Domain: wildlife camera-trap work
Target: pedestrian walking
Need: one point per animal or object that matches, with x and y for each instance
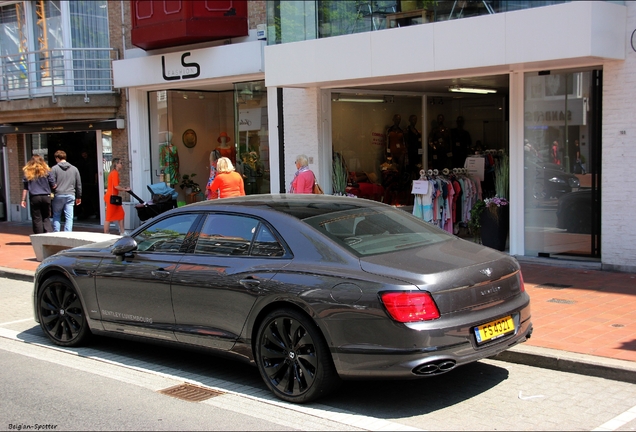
(228, 182)
(68, 192)
(39, 183)
(114, 210)
(304, 178)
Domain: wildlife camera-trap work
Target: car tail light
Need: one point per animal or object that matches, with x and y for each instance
(522, 286)
(410, 306)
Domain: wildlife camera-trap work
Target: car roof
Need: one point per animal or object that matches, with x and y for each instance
(301, 206)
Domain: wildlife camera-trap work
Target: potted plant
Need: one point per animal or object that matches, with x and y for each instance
(490, 217)
(188, 185)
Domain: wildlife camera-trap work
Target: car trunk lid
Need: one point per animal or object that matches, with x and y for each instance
(459, 275)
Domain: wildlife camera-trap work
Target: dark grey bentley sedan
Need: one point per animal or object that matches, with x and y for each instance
(311, 289)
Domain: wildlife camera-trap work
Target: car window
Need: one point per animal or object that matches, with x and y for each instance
(372, 231)
(265, 244)
(167, 235)
(224, 234)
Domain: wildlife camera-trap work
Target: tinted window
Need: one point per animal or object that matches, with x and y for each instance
(371, 231)
(166, 235)
(223, 234)
(265, 244)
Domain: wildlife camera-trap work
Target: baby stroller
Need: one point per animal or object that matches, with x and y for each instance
(163, 199)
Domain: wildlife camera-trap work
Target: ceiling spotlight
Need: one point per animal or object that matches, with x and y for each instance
(460, 89)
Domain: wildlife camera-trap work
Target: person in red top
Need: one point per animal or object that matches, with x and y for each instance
(114, 213)
(304, 178)
(228, 182)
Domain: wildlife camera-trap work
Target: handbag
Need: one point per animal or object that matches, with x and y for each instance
(317, 189)
(115, 200)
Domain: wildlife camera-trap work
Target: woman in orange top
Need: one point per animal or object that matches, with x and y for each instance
(114, 213)
(228, 182)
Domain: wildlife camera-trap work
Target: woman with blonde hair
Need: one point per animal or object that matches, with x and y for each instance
(39, 183)
(227, 182)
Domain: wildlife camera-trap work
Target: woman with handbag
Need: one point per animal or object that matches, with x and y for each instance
(114, 209)
(39, 183)
(304, 179)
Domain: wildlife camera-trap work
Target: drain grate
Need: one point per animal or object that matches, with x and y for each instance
(554, 286)
(561, 301)
(617, 325)
(190, 393)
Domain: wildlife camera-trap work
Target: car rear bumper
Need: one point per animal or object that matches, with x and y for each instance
(434, 354)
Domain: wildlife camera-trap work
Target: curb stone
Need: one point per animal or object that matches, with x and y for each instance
(16, 274)
(564, 361)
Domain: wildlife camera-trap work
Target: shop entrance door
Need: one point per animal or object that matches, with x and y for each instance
(83, 152)
(562, 161)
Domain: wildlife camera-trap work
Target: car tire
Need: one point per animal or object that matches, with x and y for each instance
(293, 357)
(61, 314)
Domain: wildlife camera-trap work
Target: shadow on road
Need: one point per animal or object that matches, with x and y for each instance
(388, 399)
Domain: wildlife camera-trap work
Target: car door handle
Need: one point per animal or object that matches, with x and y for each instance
(250, 283)
(160, 273)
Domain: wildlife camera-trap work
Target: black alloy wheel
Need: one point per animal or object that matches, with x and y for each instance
(61, 313)
(293, 357)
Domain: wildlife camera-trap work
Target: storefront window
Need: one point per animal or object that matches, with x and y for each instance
(362, 126)
(558, 164)
(189, 129)
(252, 141)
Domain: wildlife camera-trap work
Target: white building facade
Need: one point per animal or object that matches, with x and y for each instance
(562, 72)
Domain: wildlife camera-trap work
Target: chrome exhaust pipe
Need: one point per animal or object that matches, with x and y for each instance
(435, 367)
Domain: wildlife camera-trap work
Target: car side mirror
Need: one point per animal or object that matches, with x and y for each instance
(123, 246)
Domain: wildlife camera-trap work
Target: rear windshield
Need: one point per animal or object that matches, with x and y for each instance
(375, 230)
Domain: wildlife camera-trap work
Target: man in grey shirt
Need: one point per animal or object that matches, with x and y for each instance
(68, 192)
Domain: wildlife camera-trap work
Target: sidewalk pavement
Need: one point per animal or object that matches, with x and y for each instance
(584, 318)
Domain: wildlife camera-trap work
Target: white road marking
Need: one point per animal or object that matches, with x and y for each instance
(154, 377)
(17, 321)
(618, 421)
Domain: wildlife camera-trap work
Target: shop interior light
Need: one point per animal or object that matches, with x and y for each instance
(460, 89)
(364, 99)
(246, 94)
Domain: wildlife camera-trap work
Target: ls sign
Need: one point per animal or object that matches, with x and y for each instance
(185, 71)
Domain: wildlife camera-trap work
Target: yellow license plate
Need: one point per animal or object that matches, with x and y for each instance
(494, 329)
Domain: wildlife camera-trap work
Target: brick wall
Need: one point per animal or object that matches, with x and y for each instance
(115, 25)
(618, 237)
(256, 13)
(301, 108)
(120, 137)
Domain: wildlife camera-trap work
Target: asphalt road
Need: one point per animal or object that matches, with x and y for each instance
(113, 384)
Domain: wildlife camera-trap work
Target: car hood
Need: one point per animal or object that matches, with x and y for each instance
(459, 274)
(92, 248)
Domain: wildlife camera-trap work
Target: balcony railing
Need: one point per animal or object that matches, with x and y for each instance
(57, 72)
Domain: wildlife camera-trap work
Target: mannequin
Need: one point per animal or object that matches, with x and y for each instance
(413, 140)
(225, 148)
(169, 158)
(396, 145)
(439, 140)
(461, 142)
(390, 180)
